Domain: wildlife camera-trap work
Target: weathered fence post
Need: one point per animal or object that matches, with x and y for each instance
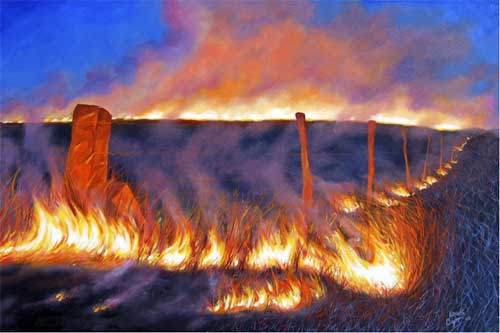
(441, 153)
(424, 172)
(407, 162)
(86, 170)
(307, 188)
(371, 160)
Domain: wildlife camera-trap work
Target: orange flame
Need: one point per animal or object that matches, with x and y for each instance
(62, 231)
(430, 180)
(382, 199)
(380, 262)
(346, 203)
(400, 190)
(213, 254)
(442, 171)
(419, 185)
(279, 294)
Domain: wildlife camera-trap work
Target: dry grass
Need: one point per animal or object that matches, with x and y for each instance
(450, 232)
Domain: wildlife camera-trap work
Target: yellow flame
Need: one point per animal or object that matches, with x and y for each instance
(384, 273)
(347, 204)
(100, 308)
(442, 172)
(13, 121)
(420, 185)
(430, 180)
(279, 294)
(382, 199)
(447, 127)
(400, 190)
(393, 119)
(60, 296)
(213, 254)
(176, 255)
(63, 231)
(58, 119)
(274, 250)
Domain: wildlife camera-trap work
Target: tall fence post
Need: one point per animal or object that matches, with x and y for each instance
(407, 162)
(424, 172)
(441, 153)
(307, 187)
(371, 160)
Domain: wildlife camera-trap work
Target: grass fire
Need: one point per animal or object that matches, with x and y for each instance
(263, 256)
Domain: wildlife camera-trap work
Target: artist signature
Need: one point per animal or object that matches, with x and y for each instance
(456, 319)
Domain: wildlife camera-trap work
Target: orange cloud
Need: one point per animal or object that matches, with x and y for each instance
(266, 61)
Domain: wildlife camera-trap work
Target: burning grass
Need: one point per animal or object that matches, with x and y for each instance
(378, 256)
(274, 291)
(271, 258)
(458, 290)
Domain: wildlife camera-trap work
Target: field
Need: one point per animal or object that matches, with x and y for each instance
(446, 232)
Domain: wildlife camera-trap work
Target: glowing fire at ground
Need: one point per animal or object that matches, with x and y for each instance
(61, 233)
(382, 199)
(213, 254)
(430, 180)
(346, 203)
(442, 172)
(400, 190)
(285, 293)
(100, 308)
(60, 296)
(419, 185)
(383, 260)
(384, 273)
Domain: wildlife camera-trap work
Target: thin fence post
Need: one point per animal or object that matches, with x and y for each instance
(407, 162)
(307, 187)
(441, 153)
(424, 172)
(371, 160)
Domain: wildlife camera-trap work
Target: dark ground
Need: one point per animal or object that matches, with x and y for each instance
(256, 159)
(461, 295)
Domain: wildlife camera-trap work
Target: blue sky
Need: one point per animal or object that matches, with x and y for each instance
(43, 38)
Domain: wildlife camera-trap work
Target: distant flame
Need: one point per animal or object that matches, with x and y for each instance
(58, 119)
(395, 120)
(448, 127)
